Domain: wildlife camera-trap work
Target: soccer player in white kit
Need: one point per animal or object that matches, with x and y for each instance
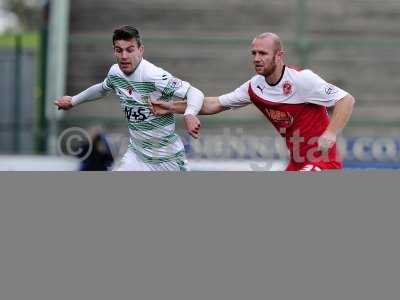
(153, 145)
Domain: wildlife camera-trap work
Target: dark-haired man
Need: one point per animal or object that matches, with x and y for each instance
(154, 145)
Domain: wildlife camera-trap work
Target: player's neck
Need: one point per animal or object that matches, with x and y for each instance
(275, 77)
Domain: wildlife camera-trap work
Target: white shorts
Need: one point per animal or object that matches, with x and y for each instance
(131, 162)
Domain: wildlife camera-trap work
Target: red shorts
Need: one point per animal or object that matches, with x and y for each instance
(314, 166)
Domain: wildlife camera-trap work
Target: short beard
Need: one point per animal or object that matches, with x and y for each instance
(270, 70)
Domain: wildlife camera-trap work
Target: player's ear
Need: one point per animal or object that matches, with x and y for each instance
(280, 54)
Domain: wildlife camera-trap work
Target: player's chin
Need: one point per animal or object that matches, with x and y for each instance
(126, 68)
(259, 70)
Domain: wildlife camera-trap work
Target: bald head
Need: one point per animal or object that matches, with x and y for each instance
(268, 55)
(273, 37)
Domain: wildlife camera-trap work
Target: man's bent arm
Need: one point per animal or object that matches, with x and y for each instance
(211, 105)
(341, 114)
(92, 93)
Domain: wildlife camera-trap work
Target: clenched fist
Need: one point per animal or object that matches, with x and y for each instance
(192, 124)
(326, 141)
(64, 102)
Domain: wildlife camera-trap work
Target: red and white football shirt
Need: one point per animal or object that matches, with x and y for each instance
(296, 106)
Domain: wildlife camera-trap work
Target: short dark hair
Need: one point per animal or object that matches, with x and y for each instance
(127, 33)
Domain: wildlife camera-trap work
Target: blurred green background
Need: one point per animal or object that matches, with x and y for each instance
(51, 48)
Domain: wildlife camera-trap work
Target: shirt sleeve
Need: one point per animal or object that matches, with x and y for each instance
(92, 93)
(238, 98)
(317, 91)
(107, 83)
(170, 86)
(195, 99)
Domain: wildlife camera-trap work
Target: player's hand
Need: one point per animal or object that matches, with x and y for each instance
(64, 102)
(160, 108)
(192, 124)
(326, 141)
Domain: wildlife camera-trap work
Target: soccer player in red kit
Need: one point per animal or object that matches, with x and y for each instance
(294, 101)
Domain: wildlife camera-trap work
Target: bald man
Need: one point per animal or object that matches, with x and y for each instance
(294, 101)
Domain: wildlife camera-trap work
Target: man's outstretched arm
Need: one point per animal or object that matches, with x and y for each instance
(211, 105)
(92, 93)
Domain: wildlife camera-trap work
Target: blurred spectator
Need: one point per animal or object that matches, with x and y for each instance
(100, 157)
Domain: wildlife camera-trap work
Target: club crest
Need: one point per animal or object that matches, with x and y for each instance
(287, 88)
(130, 90)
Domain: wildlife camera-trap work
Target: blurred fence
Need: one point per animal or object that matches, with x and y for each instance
(17, 86)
